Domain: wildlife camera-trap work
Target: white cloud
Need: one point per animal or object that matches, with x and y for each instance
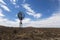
(53, 21)
(1, 14)
(6, 22)
(30, 11)
(38, 15)
(4, 7)
(17, 6)
(1, 1)
(26, 20)
(13, 1)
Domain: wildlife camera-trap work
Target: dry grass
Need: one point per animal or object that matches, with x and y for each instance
(10, 33)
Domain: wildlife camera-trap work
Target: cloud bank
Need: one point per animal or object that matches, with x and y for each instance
(53, 21)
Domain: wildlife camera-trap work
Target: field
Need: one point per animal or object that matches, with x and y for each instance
(29, 33)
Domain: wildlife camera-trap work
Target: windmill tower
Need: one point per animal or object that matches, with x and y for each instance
(21, 17)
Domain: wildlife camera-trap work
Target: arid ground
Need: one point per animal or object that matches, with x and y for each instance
(29, 33)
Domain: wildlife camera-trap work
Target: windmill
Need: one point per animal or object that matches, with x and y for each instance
(21, 17)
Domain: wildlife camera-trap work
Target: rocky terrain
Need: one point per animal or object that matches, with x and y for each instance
(29, 33)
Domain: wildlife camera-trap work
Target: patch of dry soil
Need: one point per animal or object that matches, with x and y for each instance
(29, 33)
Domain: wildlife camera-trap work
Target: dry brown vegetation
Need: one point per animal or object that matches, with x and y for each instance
(10, 33)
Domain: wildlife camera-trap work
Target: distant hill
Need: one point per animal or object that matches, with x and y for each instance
(29, 33)
(2, 26)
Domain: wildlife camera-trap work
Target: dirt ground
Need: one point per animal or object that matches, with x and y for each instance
(29, 33)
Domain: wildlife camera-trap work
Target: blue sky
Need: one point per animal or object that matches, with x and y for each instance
(37, 12)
